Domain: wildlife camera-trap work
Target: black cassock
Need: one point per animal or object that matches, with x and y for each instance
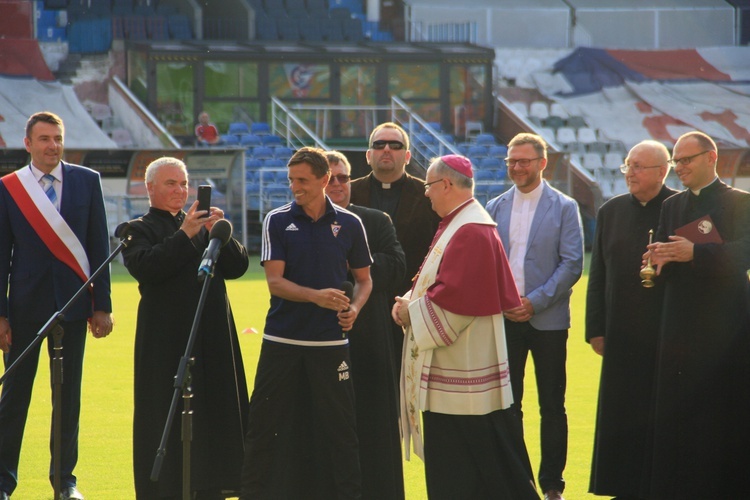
(628, 316)
(372, 353)
(702, 383)
(165, 262)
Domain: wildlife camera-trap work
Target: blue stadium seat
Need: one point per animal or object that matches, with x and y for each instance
(490, 163)
(484, 175)
(250, 140)
(179, 27)
(339, 13)
(477, 151)
(271, 140)
(263, 153)
(230, 139)
(252, 164)
(260, 128)
(498, 151)
(283, 153)
(238, 128)
(485, 139)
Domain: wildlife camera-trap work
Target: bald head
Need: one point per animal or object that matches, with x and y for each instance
(648, 166)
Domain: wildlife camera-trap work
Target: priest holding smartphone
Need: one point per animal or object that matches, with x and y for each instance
(164, 256)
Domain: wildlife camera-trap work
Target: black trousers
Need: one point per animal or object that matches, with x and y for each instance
(16, 397)
(549, 350)
(475, 457)
(302, 440)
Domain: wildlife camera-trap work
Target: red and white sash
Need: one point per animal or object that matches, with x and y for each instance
(47, 221)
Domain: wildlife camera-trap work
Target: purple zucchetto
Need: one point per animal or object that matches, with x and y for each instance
(459, 163)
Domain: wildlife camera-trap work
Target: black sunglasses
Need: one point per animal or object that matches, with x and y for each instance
(394, 145)
(342, 178)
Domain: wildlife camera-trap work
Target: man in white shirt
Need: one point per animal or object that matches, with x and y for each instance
(541, 229)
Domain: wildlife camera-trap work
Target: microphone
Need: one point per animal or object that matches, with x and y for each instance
(122, 229)
(348, 290)
(218, 237)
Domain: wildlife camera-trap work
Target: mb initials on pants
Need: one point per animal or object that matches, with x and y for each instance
(549, 351)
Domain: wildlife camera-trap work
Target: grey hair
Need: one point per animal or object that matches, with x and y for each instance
(155, 165)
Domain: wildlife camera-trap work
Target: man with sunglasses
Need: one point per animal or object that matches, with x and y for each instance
(701, 434)
(622, 325)
(371, 346)
(541, 230)
(390, 189)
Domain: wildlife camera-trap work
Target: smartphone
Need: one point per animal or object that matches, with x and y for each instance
(204, 199)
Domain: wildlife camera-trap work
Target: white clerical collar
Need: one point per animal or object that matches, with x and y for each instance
(56, 172)
(532, 195)
(697, 192)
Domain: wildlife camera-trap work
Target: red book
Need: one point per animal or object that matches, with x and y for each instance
(702, 230)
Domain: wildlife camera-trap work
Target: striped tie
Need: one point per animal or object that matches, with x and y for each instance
(48, 181)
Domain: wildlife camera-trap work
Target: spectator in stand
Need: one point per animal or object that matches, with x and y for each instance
(206, 133)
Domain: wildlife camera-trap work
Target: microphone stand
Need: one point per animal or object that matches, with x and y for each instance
(53, 326)
(182, 383)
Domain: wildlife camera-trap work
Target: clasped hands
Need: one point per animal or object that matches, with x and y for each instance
(677, 249)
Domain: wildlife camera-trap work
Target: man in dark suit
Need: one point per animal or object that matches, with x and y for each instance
(53, 235)
(701, 435)
(390, 189)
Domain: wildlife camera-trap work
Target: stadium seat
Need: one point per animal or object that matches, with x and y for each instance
(230, 139)
(263, 153)
(271, 140)
(575, 122)
(260, 128)
(598, 147)
(250, 140)
(557, 109)
(566, 135)
(282, 153)
(498, 151)
(592, 161)
(520, 108)
(238, 128)
(484, 175)
(553, 121)
(477, 151)
(539, 109)
(491, 163)
(485, 140)
(252, 163)
(586, 135)
(179, 27)
(613, 160)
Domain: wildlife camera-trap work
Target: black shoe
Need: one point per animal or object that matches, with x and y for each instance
(4, 496)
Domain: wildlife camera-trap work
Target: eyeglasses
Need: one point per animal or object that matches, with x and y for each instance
(523, 163)
(342, 178)
(625, 168)
(428, 184)
(394, 145)
(686, 160)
